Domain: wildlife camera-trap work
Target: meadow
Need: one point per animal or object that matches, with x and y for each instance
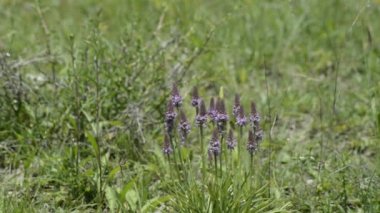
(97, 106)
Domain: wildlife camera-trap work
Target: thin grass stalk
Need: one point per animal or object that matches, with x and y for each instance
(269, 135)
(251, 169)
(170, 171)
(231, 163)
(321, 142)
(179, 148)
(187, 168)
(202, 153)
(78, 131)
(221, 155)
(345, 196)
(178, 145)
(49, 50)
(240, 142)
(174, 155)
(225, 151)
(251, 163)
(216, 165)
(98, 137)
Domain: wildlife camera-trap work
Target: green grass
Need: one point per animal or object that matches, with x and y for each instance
(84, 86)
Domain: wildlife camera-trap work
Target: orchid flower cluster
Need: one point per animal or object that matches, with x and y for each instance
(216, 119)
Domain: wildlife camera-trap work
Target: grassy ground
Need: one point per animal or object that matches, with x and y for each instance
(84, 86)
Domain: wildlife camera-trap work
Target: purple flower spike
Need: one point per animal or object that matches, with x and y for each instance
(231, 141)
(169, 117)
(183, 127)
(170, 114)
(195, 100)
(252, 143)
(221, 115)
(214, 147)
(254, 117)
(176, 97)
(183, 124)
(236, 107)
(201, 117)
(241, 120)
(212, 110)
(167, 149)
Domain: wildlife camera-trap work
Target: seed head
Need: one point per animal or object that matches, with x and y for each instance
(214, 147)
(252, 143)
(241, 119)
(167, 148)
(212, 112)
(201, 117)
(236, 107)
(221, 116)
(169, 117)
(254, 117)
(231, 141)
(195, 100)
(183, 127)
(176, 97)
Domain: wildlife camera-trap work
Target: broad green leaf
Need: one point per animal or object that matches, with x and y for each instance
(113, 172)
(90, 137)
(126, 188)
(154, 202)
(131, 197)
(112, 199)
